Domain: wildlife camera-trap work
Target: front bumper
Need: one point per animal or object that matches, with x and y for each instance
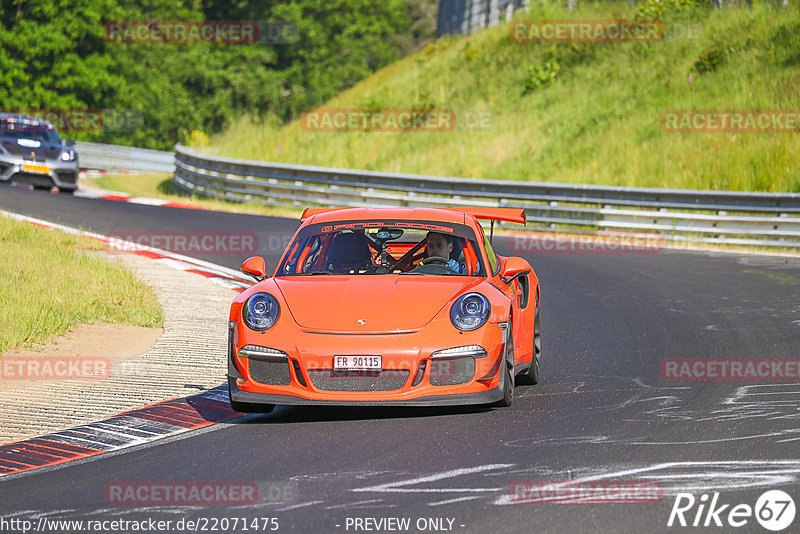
(62, 174)
(409, 376)
(459, 399)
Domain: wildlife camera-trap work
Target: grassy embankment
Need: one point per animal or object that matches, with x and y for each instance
(582, 113)
(48, 283)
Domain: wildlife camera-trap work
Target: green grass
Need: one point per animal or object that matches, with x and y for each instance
(580, 113)
(159, 185)
(156, 185)
(48, 283)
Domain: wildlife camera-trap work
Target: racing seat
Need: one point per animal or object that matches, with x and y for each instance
(458, 251)
(348, 254)
(458, 254)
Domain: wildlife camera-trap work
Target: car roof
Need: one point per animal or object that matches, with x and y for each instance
(28, 118)
(350, 214)
(451, 215)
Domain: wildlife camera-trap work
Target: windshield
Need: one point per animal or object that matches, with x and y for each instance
(29, 129)
(384, 247)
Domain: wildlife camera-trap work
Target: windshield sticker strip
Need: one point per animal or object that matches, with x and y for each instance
(379, 224)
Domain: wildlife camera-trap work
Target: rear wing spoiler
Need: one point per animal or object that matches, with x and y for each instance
(310, 212)
(516, 215)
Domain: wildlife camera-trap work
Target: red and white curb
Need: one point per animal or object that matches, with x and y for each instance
(121, 431)
(135, 427)
(99, 194)
(216, 273)
(121, 197)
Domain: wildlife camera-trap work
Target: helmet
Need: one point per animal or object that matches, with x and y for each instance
(347, 253)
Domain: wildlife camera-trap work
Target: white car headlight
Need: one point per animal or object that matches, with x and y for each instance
(470, 311)
(261, 311)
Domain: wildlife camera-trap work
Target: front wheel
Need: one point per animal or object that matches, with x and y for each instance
(530, 376)
(508, 372)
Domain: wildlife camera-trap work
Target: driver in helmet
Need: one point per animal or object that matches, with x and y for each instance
(348, 253)
(441, 245)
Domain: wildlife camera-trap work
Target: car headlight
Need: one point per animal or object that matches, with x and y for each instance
(68, 155)
(470, 311)
(261, 311)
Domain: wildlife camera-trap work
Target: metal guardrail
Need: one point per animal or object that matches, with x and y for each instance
(123, 158)
(460, 16)
(710, 216)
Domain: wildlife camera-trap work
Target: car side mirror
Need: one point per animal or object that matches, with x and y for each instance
(514, 267)
(255, 267)
(69, 142)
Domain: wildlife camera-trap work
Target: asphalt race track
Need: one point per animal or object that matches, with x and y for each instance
(602, 413)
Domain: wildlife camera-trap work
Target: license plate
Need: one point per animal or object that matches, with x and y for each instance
(356, 363)
(35, 169)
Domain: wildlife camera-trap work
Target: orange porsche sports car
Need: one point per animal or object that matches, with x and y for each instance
(386, 306)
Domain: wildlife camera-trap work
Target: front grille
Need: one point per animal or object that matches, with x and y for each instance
(273, 372)
(385, 380)
(41, 180)
(66, 177)
(452, 371)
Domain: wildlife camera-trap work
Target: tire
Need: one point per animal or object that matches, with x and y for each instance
(508, 373)
(248, 407)
(530, 376)
(65, 191)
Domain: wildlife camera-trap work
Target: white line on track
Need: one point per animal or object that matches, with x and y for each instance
(395, 487)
